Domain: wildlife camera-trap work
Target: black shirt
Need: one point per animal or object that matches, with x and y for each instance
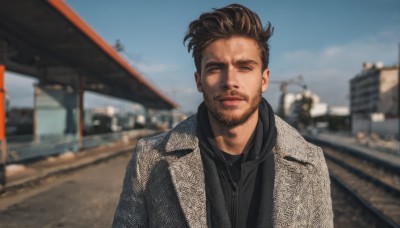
(239, 187)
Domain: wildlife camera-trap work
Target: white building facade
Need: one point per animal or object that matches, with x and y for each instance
(374, 100)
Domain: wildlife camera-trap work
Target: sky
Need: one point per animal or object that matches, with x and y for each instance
(324, 41)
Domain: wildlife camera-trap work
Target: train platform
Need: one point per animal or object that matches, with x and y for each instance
(20, 176)
(378, 151)
(30, 174)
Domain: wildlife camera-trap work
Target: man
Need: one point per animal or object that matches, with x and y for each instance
(234, 163)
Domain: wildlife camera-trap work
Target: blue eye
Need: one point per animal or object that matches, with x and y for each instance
(214, 69)
(245, 68)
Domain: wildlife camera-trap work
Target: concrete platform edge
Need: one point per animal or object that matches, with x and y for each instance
(64, 169)
(392, 166)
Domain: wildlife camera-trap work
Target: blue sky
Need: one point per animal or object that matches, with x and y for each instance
(325, 41)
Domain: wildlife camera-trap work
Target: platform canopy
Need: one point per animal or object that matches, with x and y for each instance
(49, 41)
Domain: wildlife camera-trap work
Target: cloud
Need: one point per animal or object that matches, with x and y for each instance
(332, 52)
(149, 68)
(327, 71)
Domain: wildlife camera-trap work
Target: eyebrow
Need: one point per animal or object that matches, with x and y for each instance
(238, 62)
(246, 62)
(214, 63)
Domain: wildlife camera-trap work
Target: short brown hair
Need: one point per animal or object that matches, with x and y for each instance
(226, 22)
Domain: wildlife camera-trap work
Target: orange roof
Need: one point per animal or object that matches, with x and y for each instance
(50, 35)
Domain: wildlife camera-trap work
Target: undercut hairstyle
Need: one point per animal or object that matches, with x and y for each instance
(229, 21)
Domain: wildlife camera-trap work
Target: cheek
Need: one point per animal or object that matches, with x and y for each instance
(210, 83)
(254, 86)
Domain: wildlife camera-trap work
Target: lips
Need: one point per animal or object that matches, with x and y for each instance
(231, 98)
(230, 101)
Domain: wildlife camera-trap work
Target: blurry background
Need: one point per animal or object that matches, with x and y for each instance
(334, 76)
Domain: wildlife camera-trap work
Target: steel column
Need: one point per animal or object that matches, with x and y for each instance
(81, 91)
(3, 141)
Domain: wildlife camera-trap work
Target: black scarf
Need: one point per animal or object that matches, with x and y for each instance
(258, 174)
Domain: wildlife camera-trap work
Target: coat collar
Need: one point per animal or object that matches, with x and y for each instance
(289, 142)
(182, 137)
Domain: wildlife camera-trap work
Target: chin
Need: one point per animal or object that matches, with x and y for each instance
(231, 114)
(231, 118)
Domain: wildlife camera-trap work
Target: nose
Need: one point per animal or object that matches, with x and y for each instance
(229, 80)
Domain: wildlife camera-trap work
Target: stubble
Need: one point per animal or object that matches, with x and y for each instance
(224, 117)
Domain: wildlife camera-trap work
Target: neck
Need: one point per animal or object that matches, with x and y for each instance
(234, 140)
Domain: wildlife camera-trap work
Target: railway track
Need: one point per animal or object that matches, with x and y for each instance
(374, 186)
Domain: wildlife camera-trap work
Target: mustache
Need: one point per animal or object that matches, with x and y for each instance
(231, 93)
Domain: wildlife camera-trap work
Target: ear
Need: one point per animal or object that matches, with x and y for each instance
(197, 78)
(265, 79)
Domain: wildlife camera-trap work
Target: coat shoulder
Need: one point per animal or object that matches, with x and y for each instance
(291, 143)
(181, 137)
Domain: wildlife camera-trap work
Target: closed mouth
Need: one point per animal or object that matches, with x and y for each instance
(231, 98)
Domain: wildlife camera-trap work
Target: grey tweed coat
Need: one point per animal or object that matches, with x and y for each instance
(164, 182)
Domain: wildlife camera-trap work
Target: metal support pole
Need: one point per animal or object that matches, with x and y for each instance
(3, 141)
(398, 91)
(81, 111)
(147, 113)
(35, 94)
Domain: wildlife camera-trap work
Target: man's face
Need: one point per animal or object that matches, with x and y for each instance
(232, 79)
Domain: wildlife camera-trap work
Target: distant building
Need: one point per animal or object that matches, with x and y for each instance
(334, 118)
(107, 110)
(317, 108)
(374, 100)
(103, 120)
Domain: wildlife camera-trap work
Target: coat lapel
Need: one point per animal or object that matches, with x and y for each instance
(291, 183)
(292, 175)
(187, 172)
(188, 178)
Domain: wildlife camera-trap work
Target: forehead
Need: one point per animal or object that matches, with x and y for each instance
(230, 49)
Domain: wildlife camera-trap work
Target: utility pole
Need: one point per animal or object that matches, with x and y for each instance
(398, 91)
(3, 141)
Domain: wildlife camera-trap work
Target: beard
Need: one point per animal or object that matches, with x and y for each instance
(228, 119)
